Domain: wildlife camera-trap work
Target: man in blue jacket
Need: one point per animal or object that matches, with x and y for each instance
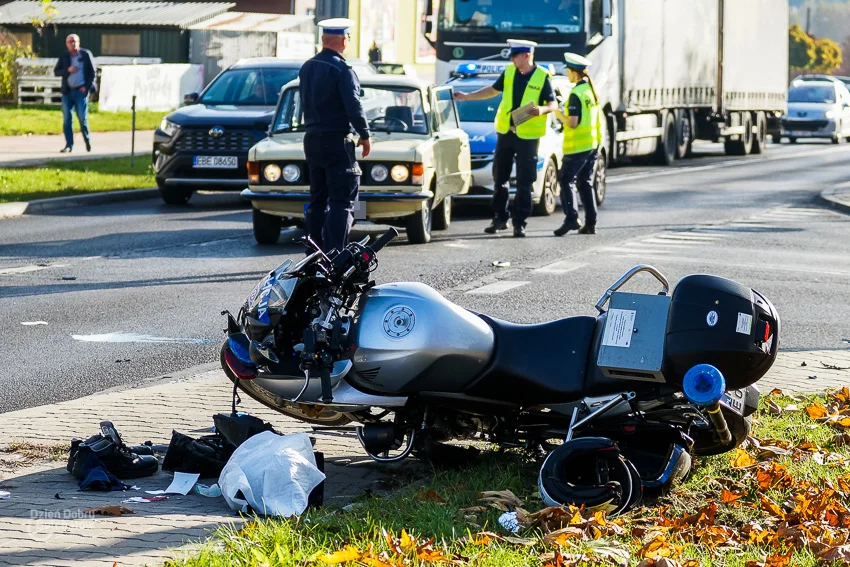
(76, 67)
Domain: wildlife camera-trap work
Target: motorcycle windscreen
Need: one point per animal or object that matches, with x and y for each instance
(268, 301)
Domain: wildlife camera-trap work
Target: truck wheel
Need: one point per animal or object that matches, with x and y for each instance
(792, 140)
(685, 135)
(418, 225)
(173, 195)
(600, 177)
(743, 146)
(443, 214)
(266, 227)
(666, 152)
(760, 139)
(549, 195)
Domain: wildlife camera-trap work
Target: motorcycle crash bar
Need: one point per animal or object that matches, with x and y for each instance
(704, 386)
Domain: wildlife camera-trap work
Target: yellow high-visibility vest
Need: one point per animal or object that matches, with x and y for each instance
(588, 134)
(533, 128)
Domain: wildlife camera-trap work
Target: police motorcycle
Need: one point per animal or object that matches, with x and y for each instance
(618, 402)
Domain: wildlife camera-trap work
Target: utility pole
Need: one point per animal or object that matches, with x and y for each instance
(808, 20)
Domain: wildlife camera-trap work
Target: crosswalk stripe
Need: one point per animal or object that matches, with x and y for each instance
(561, 267)
(498, 287)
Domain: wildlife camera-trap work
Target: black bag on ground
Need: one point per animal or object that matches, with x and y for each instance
(237, 428)
(205, 456)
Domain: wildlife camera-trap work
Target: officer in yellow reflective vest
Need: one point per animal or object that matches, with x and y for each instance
(523, 85)
(583, 129)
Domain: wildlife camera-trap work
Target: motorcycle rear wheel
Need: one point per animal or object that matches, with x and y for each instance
(706, 443)
(297, 411)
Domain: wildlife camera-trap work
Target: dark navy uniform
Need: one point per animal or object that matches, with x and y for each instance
(330, 96)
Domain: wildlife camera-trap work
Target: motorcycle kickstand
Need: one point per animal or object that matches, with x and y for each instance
(607, 406)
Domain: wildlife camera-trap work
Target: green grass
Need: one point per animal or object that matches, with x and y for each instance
(18, 120)
(64, 178)
(691, 541)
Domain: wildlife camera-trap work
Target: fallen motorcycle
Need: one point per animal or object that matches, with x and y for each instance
(618, 402)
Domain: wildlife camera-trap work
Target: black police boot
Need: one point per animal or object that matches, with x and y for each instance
(117, 460)
(587, 229)
(496, 225)
(568, 226)
(519, 230)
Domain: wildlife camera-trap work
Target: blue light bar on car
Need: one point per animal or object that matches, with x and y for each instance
(466, 69)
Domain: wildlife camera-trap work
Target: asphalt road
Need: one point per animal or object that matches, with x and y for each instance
(150, 281)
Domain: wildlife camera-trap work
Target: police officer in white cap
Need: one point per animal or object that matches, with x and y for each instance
(330, 96)
(583, 130)
(522, 83)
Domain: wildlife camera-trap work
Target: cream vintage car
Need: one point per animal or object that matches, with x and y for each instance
(420, 158)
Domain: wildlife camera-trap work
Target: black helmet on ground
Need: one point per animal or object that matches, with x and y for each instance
(589, 472)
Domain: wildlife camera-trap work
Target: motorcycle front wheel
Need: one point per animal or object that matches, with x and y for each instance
(307, 413)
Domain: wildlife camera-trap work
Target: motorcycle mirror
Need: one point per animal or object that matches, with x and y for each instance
(262, 355)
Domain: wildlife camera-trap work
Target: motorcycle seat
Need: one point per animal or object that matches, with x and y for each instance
(533, 364)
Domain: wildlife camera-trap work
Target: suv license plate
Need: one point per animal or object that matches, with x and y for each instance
(216, 162)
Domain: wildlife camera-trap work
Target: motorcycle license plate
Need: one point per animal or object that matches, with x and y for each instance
(216, 162)
(734, 401)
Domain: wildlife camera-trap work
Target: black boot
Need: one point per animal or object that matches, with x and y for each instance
(117, 460)
(496, 225)
(519, 230)
(568, 226)
(587, 229)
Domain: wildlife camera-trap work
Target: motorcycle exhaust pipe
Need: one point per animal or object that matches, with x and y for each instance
(704, 386)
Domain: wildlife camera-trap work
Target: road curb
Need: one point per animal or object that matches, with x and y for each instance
(830, 198)
(41, 206)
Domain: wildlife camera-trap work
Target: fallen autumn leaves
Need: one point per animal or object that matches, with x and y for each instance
(779, 500)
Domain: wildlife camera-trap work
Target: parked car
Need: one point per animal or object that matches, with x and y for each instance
(205, 143)
(477, 120)
(817, 109)
(839, 78)
(419, 160)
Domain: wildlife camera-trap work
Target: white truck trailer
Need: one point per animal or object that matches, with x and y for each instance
(667, 71)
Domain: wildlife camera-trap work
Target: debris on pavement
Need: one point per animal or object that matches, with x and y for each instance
(501, 264)
(144, 499)
(4, 494)
(69, 278)
(210, 491)
(834, 367)
(109, 510)
(182, 483)
(33, 323)
(813, 377)
(271, 473)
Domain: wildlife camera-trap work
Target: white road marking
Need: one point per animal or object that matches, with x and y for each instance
(664, 242)
(123, 337)
(687, 236)
(717, 165)
(647, 250)
(461, 244)
(767, 267)
(561, 267)
(498, 287)
(28, 269)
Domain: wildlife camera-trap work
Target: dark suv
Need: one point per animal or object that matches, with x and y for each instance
(204, 144)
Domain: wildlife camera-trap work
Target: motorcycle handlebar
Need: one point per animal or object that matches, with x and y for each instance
(384, 240)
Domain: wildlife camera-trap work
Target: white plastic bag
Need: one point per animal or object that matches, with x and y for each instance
(275, 474)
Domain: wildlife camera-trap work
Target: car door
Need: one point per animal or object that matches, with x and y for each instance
(844, 107)
(452, 158)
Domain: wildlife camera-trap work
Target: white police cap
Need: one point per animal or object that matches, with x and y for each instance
(521, 46)
(576, 61)
(336, 26)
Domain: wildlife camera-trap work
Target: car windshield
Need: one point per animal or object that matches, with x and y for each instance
(387, 110)
(477, 110)
(258, 87)
(812, 93)
(553, 16)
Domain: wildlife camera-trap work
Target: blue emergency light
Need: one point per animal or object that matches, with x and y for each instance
(466, 69)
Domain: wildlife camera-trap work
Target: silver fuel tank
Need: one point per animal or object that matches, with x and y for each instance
(411, 339)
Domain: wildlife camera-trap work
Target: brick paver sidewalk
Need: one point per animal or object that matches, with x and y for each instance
(36, 528)
(17, 151)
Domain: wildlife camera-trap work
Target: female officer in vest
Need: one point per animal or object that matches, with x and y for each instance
(522, 83)
(582, 135)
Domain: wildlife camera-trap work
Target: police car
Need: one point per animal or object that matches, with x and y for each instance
(476, 119)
